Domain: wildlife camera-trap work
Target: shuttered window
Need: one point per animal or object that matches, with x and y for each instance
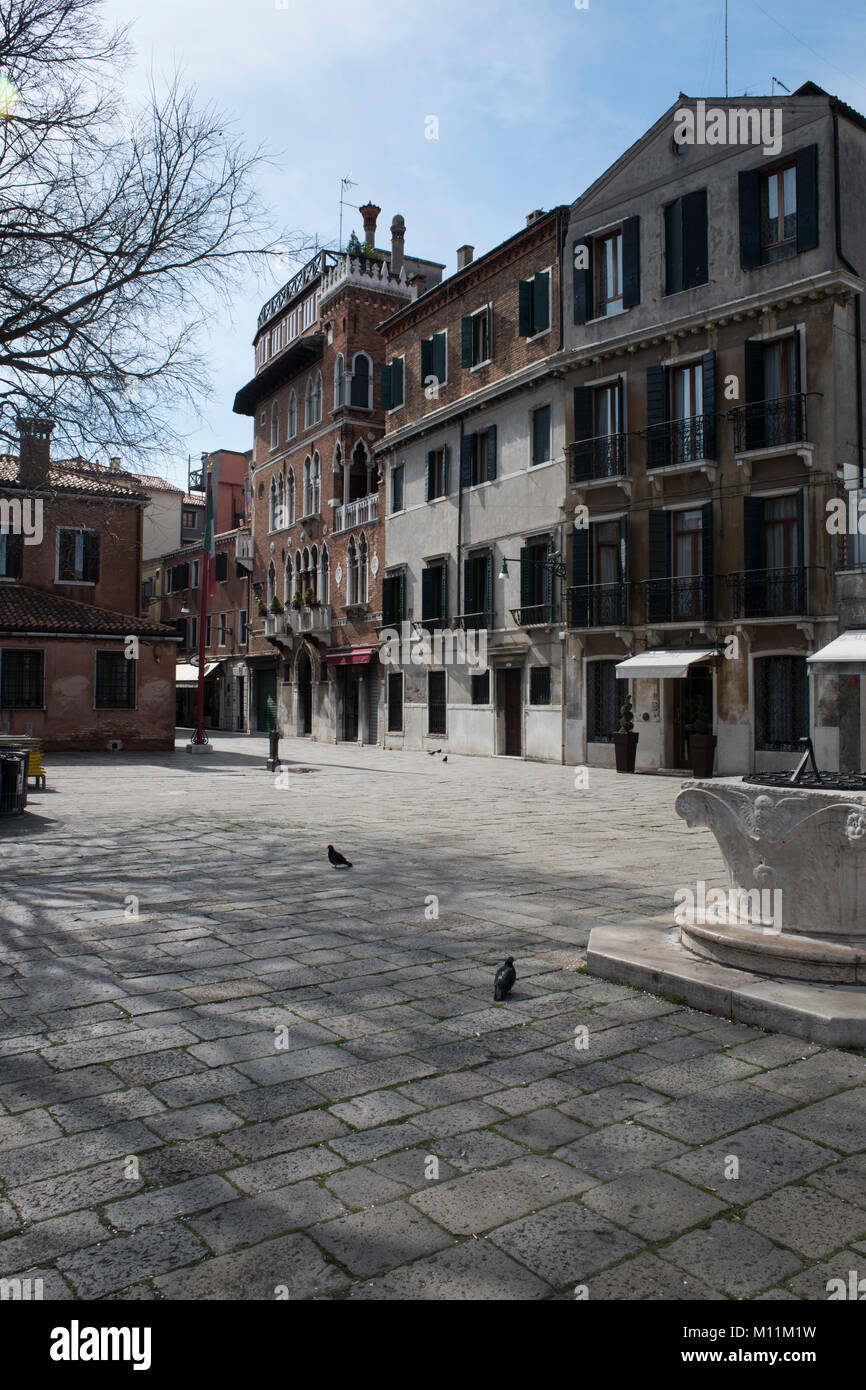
(395, 702)
(436, 708)
(11, 553)
(21, 678)
(397, 476)
(686, 257)
(478, 464)
(779, 210)
(539, 685)
(78, 557)
(541, 434)
(534, 304)
(434, 359)
(115, 681)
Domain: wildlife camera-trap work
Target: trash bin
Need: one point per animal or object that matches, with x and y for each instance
(13, 781)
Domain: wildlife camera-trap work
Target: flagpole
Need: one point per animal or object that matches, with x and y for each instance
(200, 738)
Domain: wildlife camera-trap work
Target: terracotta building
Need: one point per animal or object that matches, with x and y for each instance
(80, 667)
(316, 403)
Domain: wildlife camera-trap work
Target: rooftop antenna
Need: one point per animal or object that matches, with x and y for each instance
(777, 83)
(345, 185)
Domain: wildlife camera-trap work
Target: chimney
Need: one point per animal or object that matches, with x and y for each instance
(398, 233)
(34, 434)
(370, 214)
(464, 256)
(115, 465)
(534, 216)
(417, 284)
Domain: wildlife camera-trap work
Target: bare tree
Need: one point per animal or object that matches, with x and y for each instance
(119, 237)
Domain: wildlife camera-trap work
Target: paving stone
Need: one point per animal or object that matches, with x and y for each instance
(128, 1259)
(839, 1120)
(812, 1222)
(443, 1090)
(289, 1267)
(247, 1220)
(817, 1076)
(375, 1108)
(472, 1272)
(475, 1203)
(613, 1103)
(653, 1205)
(37, 1201)
(708, 1114)
(617, 1149)
(846, 1178)
(272, 1102)
(17, 1166)
(360, 1187)
(646, 1277)
(515, 1100)
(698, 1073)
(542, 1129)
(451, 1119)
(773, 1050)
(31, 1127)
(44, 1241)
(110, 1108)
(368, 1144)
(156, 1066)
(290, 1132)
(732, 1257)
(47, 1283)
(149, 1208)
(289, 1066)
(191, 1159)
(411, 1167)
(200, 1086)
(767, 1158)
(813, 1282)
(285, 1168)
(483, 1148)
(194, 1121)
(565, 1243)
(55, 1088)
(371, 1242)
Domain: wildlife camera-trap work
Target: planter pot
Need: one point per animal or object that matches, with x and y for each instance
(702, 750)
(625, 746)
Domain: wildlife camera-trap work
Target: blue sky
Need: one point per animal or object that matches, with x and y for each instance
(534, 100)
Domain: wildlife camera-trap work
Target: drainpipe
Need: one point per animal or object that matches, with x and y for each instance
(460, 518)
(858, 345)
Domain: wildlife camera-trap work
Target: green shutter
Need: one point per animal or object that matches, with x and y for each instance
(466, 341)
(401, 596)
(429, 475)
(396, 388)
(443, 592)
(630, 262)
(548, 586)
(541, 302)
(427, 605)
(750, 218)
(525, 292)
(386, 388)
(388, 600)
(426, 359)
(527, 575)
(440, 364)
(490, 330)
(807, 198)
(707, 563)
(491, 453)
(444, 470)
(582, 280)
(470, 603)
(466, 462)
(488, 589)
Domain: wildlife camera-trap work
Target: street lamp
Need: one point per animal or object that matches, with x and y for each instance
(550, 562)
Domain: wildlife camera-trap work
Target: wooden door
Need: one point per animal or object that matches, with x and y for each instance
(511, 707)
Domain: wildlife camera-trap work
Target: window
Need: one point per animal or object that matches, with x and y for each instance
(541, 434)
(781, 702)
(534, 304)
(434, 594)
(775, 410)
(292, 421)
(308, 486)
(272, 506)
(779, 210)
(196, 565)
(115, 681)
(193, 634)
(395, 702)
(363, 569)
(434, 359)
(681, 412)
(686, 258)
(436, 708)
(315, 485)
(397, 474)
(688, 405)
(339, 383)
(207, 631)
(606, 274)
(21, 678)
(437, 473)
(605, 694)
(222, 629)
(272, 583)
(290, 498)
(275, 426)
(77, 556)
(539, 685)
(393, 599)
(11, 554)
(536, 583)
(479, 457)
(313, 401)
(478, 589)
(393, 384)
(221, 567)
(477, 337)
(362, 381)
(481, 689)
(243, 632)
(599, 443)
(190, 520)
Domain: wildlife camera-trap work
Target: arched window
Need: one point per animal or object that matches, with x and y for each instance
(308, 490)
(272, 582)
(314, 400)
(292, 424)
(338, 459)
(287, 580)
(351, 572)
(318, 393)
(314, 571)
(363, 559)
(290, 498)
(324, 575)
(315, 484)
(272, 507)
(297, 589)
(339, 383)
(362, 380)
(281, 505)
(308, 404)
(275, 425)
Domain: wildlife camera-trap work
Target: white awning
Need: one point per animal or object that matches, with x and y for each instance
(186, 675)
(844, 656)
(664, 661)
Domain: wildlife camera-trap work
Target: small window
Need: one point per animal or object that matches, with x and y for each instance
(195, 570)
(21, 678)
(397, 475)
(534, 305)
(207, 631)
(436, 711)
(604, 697)
(77, 557)
(11, 554)
(779, 214)
(193, 634)
(481, 689)
(539, 685)
(541, 435)
(189, 520)
(395, 702)
(115, 681)
(607, 259)
(275, 426)
(222, 629)
(393, 384)
(437, 474)
(434, 359)
(686, 256)
(242, 628)
(481, 348)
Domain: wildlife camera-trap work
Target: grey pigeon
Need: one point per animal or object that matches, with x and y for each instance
(338, 860)
(503, 981)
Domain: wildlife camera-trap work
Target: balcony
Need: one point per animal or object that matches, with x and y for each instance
(311, 619)
(536, 615)
(772, 593)
(770, 424)
(470, 621)
(594, 460)
(684, 599)
(682, 444)
(360, 513)
(277, 624)
(599, 605)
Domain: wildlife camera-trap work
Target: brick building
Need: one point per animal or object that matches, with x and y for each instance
(316, 405)
(79, 666)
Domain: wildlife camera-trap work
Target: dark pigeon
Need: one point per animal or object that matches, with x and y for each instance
(503, 981)
(338, 860)
(444, 760)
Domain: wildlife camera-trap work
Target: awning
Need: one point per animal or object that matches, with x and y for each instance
(665, 662)
(844, 656)
(349, 656)
(186, 676)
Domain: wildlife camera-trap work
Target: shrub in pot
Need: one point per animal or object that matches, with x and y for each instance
(625, 739)
(276, 605)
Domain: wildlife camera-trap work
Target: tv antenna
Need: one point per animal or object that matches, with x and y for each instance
(345, 185)
(777, 83)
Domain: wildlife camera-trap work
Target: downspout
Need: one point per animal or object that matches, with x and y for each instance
(561, 238)
(858, 345)
(460, 519)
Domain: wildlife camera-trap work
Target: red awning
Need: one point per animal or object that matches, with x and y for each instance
(349, 656)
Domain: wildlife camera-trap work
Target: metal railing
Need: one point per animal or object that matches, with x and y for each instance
(599, 605)
(680, 599)
(769, 593)
(680, 441)
(602, 457)
(768, 424)
(474, 620)
(536, 614)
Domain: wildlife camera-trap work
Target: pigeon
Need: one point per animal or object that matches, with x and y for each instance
(445, 759)
(338, 860)
(503, 981)
(433, 752)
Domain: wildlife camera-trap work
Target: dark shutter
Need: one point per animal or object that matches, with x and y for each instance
(222, 567)
(797, 383)
(754, 371)
(695, 259)
(91, 557)
(580, 575)
(360, 395)
(527, 575)
(753, 533)
(750, 219)
(582, 282)
(658, 440)
(428, 577)
(488, 588)
(708, 379)
(540, 435)
(807, 198)
(389, 600)
(584, 427)
(14, 554)
(541, 302)
(674, 247)
(490, 330)
(470, 596)
(444, 470)
(386, 388)
(401, 596)
(426, 359)
(183, 575)
(428, 485)
(630, 262)
(466, 341)
(491, 453)
(547, 580)
(443, 592)
(707, 564)
(525, 294)
(440, 365)
(659, 601)
(396, 386)
(623, 552)
(466, 463)
(801, 526)
(66, 560)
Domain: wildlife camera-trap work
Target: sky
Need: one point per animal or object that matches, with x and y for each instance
(533, 99)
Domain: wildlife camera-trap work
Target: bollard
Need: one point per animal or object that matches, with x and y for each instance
(273, 750)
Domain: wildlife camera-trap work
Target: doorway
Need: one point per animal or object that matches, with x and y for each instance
(351, 683)
(693, 699)
(509, 699)
(304, 677)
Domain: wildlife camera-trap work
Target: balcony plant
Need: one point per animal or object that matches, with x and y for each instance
(296, 600)
(625, 739)
(262, 607)
(310, 598)
(702, 742)
(276, 605)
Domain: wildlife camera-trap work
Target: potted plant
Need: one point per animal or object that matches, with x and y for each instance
(309, 597)
(263, 609)
(296, 600)
(276, 605)
(702, 743)
(625, 739)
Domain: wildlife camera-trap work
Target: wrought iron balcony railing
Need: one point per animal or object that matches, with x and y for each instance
(768, 424)
(769, 593)
(599, 605)
(536, 614)
(679, 599)
(680, 441)
(602, 457)
(474, 620)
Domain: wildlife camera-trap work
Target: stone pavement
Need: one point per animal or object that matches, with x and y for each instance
(229, 1071)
